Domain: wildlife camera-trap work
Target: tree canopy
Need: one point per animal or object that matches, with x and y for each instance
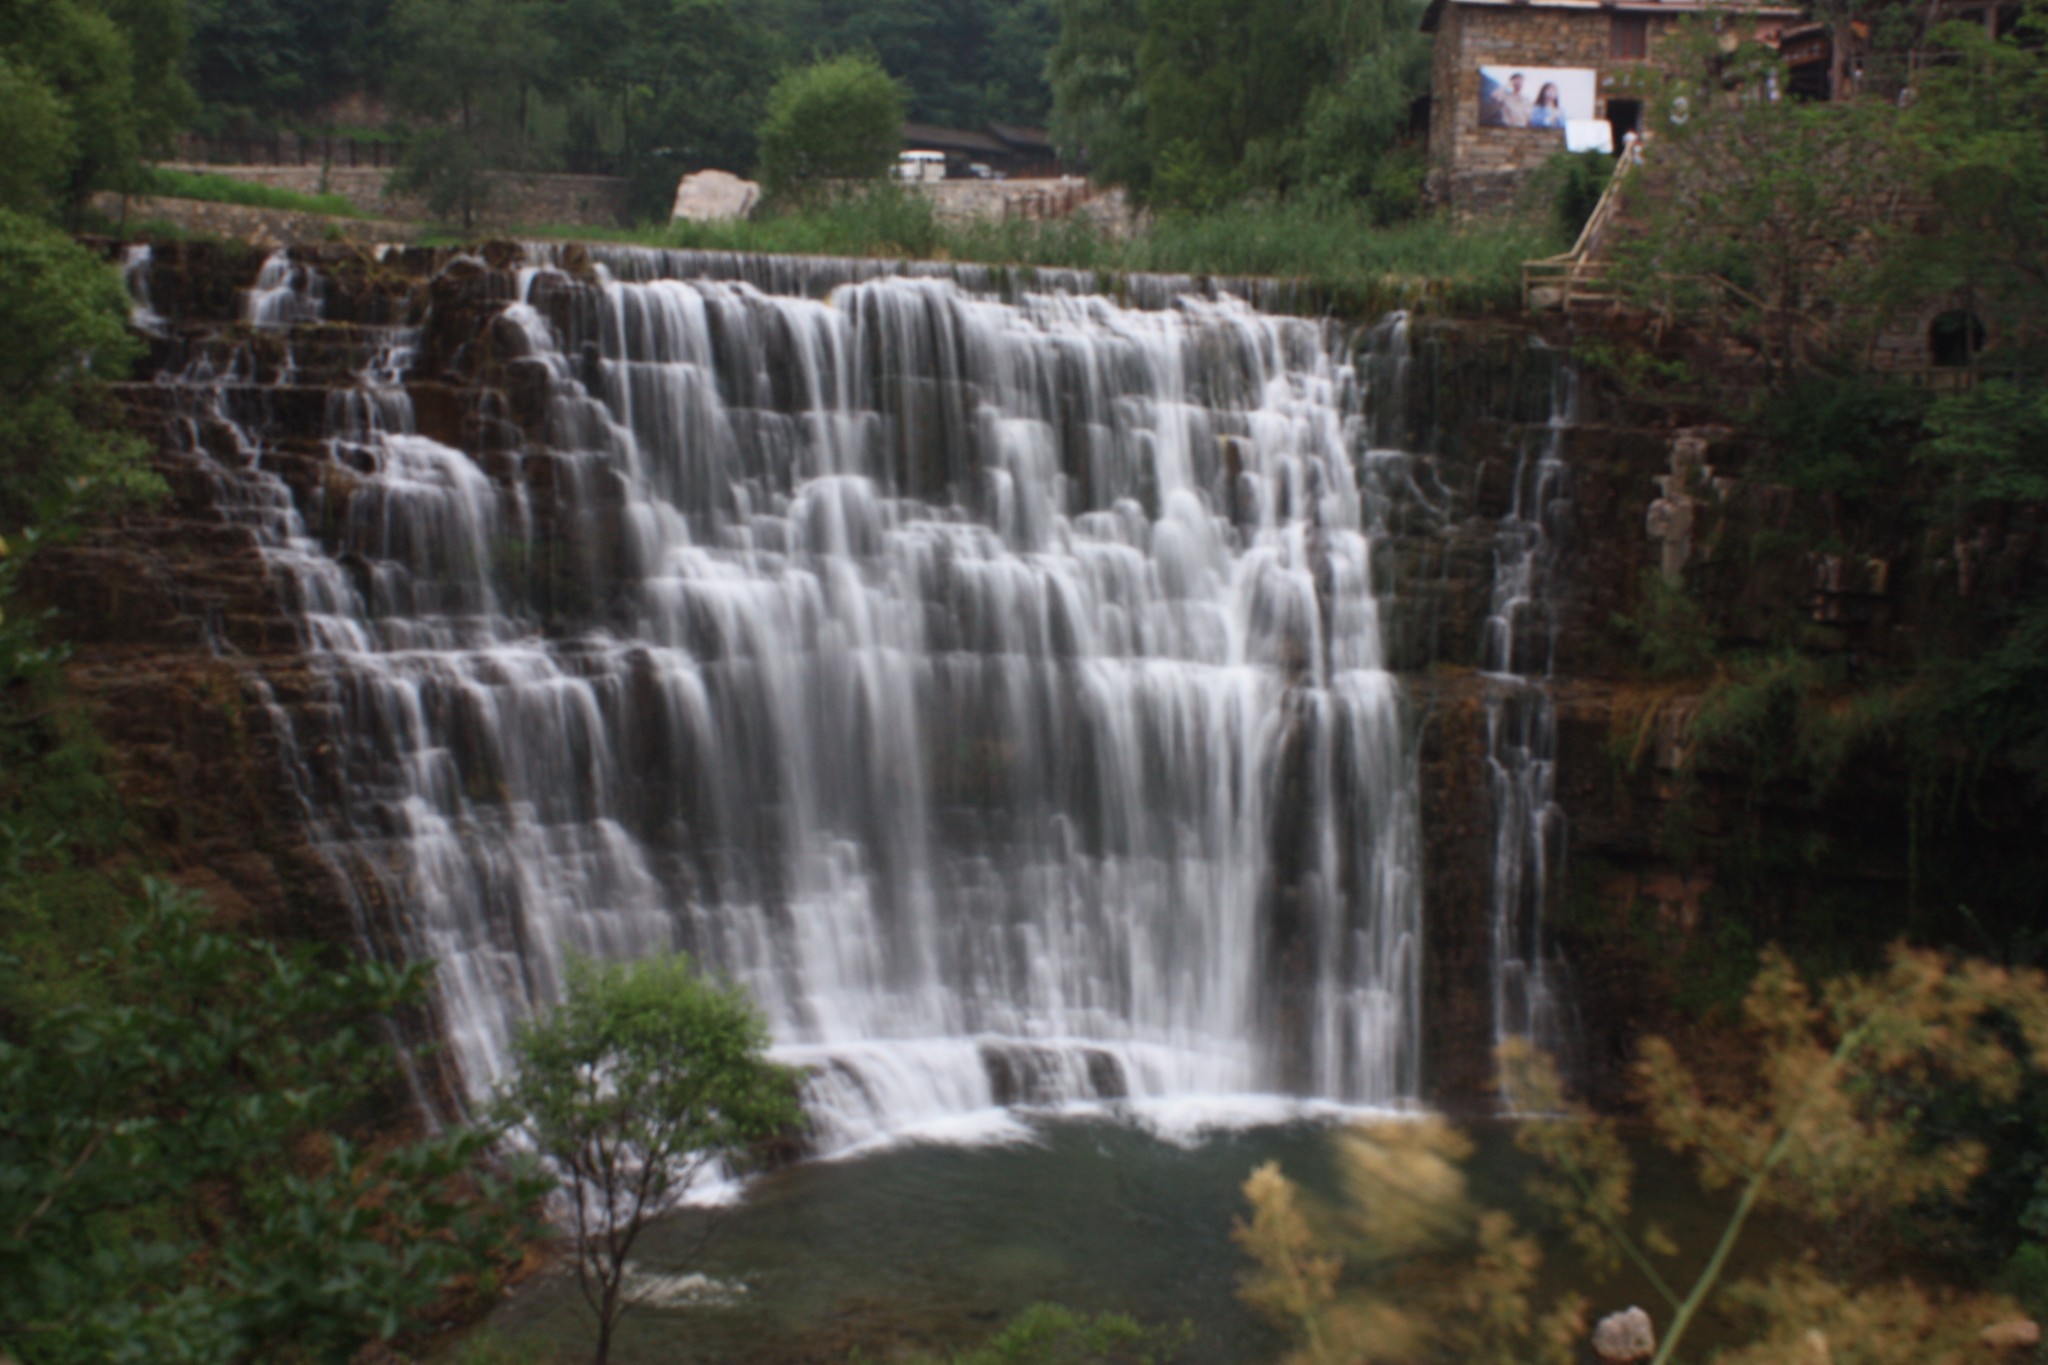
(837, 119)
(1197, 102)
(87, 87)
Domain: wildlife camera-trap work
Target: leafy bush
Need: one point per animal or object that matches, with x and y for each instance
(1573, 183)
(834, 120)
(1673, 636)
(1048, 1334)
(1993, 442)
(1840, 433)
(1407, 1269)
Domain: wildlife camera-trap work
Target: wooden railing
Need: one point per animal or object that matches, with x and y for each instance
(1577, 277)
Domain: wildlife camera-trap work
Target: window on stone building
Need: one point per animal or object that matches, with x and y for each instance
(1628, 37)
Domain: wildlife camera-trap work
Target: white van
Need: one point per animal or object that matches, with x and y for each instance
(921, 166)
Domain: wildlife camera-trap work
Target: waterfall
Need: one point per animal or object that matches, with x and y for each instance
(1530, 998)
(985, 673)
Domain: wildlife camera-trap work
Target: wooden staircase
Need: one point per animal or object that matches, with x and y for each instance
(1577, 278)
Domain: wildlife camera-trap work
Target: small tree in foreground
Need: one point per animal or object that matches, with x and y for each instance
(644, 1075)
(1833, 1132)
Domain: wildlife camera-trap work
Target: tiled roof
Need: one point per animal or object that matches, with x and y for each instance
(1434, 13)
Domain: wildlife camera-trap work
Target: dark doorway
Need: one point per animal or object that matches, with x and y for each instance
(1625, 117)
(1955, 338)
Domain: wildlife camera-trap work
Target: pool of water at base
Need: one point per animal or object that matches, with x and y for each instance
(926, 1247)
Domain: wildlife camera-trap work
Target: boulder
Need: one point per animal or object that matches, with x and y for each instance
(1625, 1336)
(713, 197)
(2015, 1333)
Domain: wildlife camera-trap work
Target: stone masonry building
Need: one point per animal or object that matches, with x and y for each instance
(1482, 149)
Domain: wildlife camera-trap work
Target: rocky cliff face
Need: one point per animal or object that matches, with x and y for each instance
(189, 655)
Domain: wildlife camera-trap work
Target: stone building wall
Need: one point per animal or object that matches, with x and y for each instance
(1481, 170)
(516, 198)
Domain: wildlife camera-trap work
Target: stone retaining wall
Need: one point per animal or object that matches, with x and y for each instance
(1035, 200)
(243, 223)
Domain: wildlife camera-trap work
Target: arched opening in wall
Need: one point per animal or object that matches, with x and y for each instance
(1955, 338)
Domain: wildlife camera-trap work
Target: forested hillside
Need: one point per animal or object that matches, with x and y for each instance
(1191, 102)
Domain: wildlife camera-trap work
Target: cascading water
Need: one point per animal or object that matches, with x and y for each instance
(1530, 998)
(993, 687)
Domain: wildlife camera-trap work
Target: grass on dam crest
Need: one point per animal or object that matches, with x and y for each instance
(1342, 252)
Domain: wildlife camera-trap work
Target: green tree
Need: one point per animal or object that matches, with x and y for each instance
(839, 119)
(685, 79)
(1194, 103)
(111, 67)
(1226, 84)
(1347, 147)
(1098, 104)
(263, 62)
(175, 1183)
(463, 69)
(645, 1074)
(32, 175)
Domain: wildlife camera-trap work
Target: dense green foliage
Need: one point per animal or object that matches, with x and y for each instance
(87, 87)
(62, 457)
(1197, 102)
(1192, 102)
(1799, 227)
(65, 316)
(646, 88)
(255, 62)
(646, 1073)
(1050, 1334)
(838, 119)
(172, 1178)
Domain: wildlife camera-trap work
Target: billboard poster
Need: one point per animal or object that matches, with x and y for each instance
(1545, 97)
